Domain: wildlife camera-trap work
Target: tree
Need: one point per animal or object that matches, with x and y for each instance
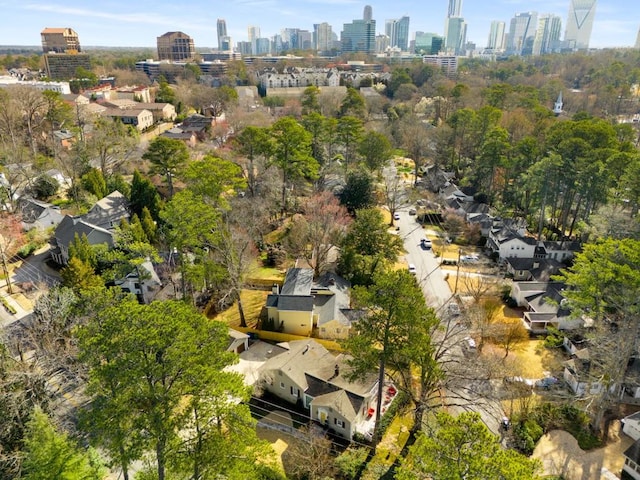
(292, 154)
(358, 193)
(310, 101)
(316, 124)
(111, 142)
(309, 457)
(353, 104)
(463, 447)
(165, 93)
(144, 195)
(395, 194)
(253, 143)
(45, 187)
(50, 454)
(375, 150)
(391, 304)
(212, 178)
(94, 182)
(167, 156)
(161, 354)
(11, 239)
(603, 284)
(349, 134)
(367, 247)
(79, 275)
(320, 229)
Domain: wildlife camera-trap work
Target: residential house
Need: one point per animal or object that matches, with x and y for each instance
(139, 94)
(508, 240)
(290, 309)
(121, 103)
(200, 125)
(162, 112)
(238, 341)
(141, 119)
(178, 134)
(64, 138)
(531, 269)
(631, 426)
(38, 215)
(66, 231)
(304, 307)
(58, 176)
(109, 211)
(299, 77)
(307, 374)
(632, 461)
(142, 281)
(545, 306)
(97, 224)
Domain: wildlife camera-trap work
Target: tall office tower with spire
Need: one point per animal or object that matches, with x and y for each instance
(547, 37)
(638, 39)
(222, 32)
(495, 43)
(455, 8)
(367, 15)
(579, 24)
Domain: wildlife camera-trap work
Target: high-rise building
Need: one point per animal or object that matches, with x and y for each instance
(547, 38)
(63, 66)
(175, 46)
(495, 43)
(323, 37)
(60, 40)
(398, 33)
(455, 8)
(579, 24)
(382, 43)
(226, 44)
(428, 43)
(367, 15)
(359, 36)
(222, 32)
(254, 34)
(638, 39)
(522, 32)
(455, 35)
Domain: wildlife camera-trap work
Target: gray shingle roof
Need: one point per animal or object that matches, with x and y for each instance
(297, 282)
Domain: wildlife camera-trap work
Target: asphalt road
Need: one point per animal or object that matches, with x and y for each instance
(429, 274)
(438, 295)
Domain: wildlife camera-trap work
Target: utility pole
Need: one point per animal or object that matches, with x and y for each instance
(455, 290)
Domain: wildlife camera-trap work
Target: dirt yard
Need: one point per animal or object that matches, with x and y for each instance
(560, 455)
(279, 440)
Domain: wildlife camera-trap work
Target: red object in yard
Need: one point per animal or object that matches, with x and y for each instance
(371, 411)
(392, 390)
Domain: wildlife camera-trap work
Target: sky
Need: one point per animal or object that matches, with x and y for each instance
(137, 23)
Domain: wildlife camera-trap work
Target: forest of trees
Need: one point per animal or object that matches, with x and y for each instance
(297, 181)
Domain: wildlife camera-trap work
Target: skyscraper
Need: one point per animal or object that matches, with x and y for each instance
(496, 36)
(398, 33)
(455, 35)
(522, 32)
(455, 8)
(323, 37)
(222, 32)
(579, 24)
(60, 40)
(253, 34)
(638, 39)
(428, 43)
(175, 46)
(547, 37)
(367, 15)
(359, 36)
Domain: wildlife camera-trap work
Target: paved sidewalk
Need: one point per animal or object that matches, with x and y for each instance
(7, 318)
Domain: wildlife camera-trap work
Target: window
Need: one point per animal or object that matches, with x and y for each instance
(338, 331)
(338, 423)
(294, 392)
(282, 385)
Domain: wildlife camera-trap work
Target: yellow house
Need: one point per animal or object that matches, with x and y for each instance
(303, 305)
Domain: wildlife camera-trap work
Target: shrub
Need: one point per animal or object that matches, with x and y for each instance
(554, 338)
(7, 307)
(27, 250)
(45, 187)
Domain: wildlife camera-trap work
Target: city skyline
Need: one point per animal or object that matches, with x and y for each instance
(138, 25)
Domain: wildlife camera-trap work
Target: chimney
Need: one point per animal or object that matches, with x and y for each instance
(275, 289)
(336, 371)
